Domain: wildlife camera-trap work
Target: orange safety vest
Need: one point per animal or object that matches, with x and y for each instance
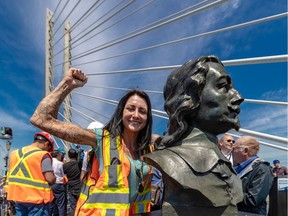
(25, 180)
(106, 191)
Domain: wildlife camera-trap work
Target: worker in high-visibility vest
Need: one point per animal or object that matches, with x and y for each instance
(30, 177)
(119, 181)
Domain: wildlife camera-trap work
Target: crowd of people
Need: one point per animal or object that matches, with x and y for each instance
(255, 173)
(113, 178)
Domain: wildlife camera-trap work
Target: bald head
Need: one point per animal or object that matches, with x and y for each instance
(248, 142)
(245, 148)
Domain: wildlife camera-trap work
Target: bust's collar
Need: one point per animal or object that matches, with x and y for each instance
(199, 150)
(195, 133)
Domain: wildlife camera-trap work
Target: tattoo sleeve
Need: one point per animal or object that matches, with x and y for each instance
(45, 117)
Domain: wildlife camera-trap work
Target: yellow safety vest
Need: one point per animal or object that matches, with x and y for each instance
(106, 191)
(25, 180)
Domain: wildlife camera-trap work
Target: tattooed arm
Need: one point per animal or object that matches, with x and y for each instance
(45, 115)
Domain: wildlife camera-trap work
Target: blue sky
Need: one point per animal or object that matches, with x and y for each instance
(22, 59)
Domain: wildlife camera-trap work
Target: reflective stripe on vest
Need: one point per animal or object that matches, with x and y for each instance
(142, 202)
(30, 182)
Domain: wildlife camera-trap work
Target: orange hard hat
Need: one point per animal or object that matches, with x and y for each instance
(48, 137)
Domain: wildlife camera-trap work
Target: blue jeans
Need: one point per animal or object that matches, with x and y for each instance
(28, 209)
(73, 196)
(60, 200)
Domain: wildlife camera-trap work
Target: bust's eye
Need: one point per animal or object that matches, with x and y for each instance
(224, 85)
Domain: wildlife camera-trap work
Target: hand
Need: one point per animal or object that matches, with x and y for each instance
(76, 77)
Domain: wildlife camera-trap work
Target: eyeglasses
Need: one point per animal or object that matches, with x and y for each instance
(43, 138)
(241, 148)
(229, 140)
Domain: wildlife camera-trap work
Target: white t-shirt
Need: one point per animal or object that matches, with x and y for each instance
(85, 162)
(229, 156)
(58, 170)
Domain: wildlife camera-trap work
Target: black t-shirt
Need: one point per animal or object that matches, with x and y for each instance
(72, 171)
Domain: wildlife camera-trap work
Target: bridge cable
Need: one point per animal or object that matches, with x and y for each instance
(85, 15)
(60, 26)
(188, 38)
(60, 13)
(108, 27)
(132, 35)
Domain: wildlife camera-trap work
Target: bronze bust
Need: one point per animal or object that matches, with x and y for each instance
(201, 103)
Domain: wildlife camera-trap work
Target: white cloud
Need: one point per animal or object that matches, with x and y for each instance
(278, 95)
(269, 120)
(267, 115)
(16, 121)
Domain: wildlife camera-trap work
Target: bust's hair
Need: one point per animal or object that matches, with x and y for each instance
(182, 93)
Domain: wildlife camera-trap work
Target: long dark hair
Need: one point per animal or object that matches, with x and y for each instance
(116, 127)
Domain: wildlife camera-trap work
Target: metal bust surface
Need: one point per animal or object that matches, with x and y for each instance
(201, 102)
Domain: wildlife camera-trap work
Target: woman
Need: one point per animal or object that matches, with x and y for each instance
(119, 182)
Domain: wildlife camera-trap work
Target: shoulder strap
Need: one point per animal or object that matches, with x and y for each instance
(98, 151)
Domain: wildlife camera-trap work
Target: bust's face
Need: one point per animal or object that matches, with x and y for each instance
(220, 102)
